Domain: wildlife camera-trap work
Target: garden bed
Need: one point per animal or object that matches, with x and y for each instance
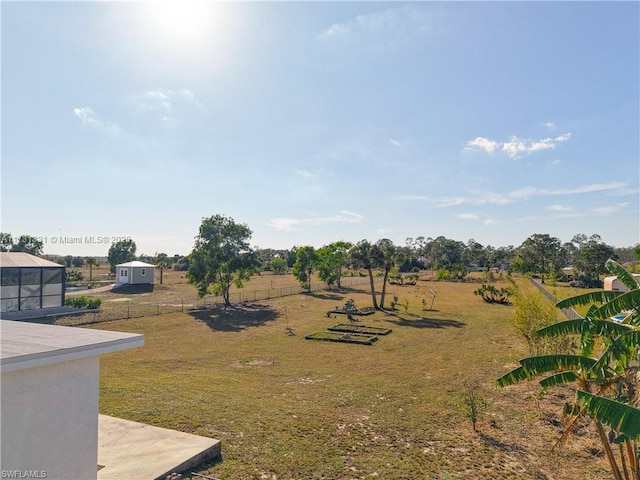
(343, 337)
(364, 329)
(363, 311)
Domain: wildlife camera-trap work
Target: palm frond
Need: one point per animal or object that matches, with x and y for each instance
(590, 298)
(558, 379)
(619, 350)
(619, 416)
(514, 376)
(623, 274)
(579, 326)
(549, 363)
(627, 301)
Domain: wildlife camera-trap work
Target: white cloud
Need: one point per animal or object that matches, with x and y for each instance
(549, 125)
(515, 146)
(163, 102)
(467, 216)
(291, 224)
(89, 118)
(593, 187)
(499, 198)
(560, 208)
(86, 115)
(394, 142)
(611, 209)
(482, 143)
(284, 224)
(393, 25)
(450, 201)
(490, 222)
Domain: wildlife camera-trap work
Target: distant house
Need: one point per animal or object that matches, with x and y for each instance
(135, 273)
(613, 284)
(29, 283)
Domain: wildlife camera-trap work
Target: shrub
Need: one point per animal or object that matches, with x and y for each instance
(74, 276)
(77, 302)
(279, 266)
(94, 304)
(472, 404)
(532, 312)
(83, 302)
(443, 274)
(491, 294)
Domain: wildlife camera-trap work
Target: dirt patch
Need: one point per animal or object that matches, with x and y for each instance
(255, 363)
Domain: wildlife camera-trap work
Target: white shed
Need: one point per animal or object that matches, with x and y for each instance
(135, 273)
(612, 284)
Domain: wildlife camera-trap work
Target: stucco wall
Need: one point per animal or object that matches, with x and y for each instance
(49, 419)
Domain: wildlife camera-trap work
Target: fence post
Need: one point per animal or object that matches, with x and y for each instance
(182, 305)
(157, 309)
(128, 313)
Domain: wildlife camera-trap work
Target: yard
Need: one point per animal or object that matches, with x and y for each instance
(289, 408)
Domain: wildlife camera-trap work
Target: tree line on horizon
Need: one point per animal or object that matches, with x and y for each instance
(540, 254)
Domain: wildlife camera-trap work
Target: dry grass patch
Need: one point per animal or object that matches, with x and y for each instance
(288, 408)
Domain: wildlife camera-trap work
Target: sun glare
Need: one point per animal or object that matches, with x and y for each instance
(182, 21)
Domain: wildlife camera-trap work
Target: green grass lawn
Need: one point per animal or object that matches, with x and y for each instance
(289, 408)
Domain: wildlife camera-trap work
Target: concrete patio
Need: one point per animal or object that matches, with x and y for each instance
(131, 450)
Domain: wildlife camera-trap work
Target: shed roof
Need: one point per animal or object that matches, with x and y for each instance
(27, 345)
(22, 259)
(135, 263)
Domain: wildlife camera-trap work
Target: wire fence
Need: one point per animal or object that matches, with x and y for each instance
(127, 309)
(570, 313)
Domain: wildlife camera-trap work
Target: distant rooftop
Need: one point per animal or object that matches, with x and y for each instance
(27, 345)
(135, 263)
(21, 259)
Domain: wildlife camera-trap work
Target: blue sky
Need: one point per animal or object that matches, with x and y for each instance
(318, 122)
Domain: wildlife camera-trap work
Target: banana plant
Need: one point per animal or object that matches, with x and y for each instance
(606, 384)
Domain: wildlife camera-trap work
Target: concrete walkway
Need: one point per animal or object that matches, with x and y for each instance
(131, 450)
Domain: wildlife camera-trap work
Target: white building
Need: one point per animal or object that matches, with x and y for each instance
(49, 378)
(135, 273)
(613, 284)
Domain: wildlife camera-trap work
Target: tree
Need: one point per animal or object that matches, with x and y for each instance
(443, 253)
(92, 262)
(279, 266)
(497, 257)
(475, 254)
(389, 256)
(221, 257)
(306, 259)
(6, 242)
(28, 244)
(540, 254)
(331, 260)
(590, 261)
(606, 384)
(161, 260)
(121, 252)
(68, 259)
(77, 262)
(365, 255)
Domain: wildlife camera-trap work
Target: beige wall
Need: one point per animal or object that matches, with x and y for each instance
(134, 275)
(49, 419)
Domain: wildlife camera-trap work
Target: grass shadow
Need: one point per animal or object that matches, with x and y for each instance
(423, 322)
(326, 296)
(128, 289)
(500, 445)
(236, 317)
